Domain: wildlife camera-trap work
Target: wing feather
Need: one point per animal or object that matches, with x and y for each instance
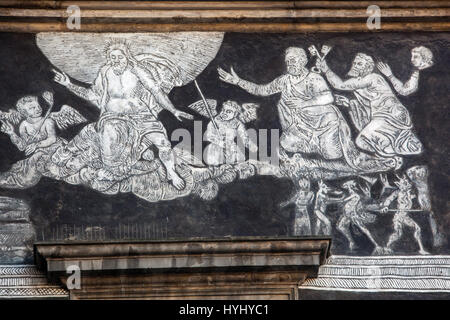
(67, 117)
(199, 107)
(12, 116)
(249, 112)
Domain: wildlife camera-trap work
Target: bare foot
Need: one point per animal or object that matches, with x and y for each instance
(423, 251)
(378, 250)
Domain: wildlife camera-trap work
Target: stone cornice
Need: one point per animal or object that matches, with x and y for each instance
(247, 267)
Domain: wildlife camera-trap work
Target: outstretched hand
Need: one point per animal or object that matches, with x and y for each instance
(61, 78)
(231, 77)
(384, 69)
(6, 127)
(180, 114)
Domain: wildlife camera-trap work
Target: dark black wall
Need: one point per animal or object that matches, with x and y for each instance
(247, 207)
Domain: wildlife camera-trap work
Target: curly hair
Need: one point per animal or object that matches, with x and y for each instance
(236, 106)
(298, 52)
(117, 44)
(22, 103)
(368, 59)
(426, 54)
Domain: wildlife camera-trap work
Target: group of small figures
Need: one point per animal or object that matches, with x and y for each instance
(358, 208)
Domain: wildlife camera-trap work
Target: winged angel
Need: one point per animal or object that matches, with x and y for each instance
(226, 131)
(36, 136)
(127, 149)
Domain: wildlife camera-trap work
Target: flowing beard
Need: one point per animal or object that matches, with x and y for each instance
(118, 69)
(294, 70)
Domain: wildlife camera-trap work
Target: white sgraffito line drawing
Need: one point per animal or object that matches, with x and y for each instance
(383, 122)
(374, 280)
(103, 157)
(419, 177)
(387, 119)
(128, 77)
(404, 196)
(224, 128)
(117, 153)
(324, 197)
(383, 273)
(311, 124)
(302, 199)
(314, 52)
(17, 233)
(355, 213)
(81, 55)
(126, 88)
(361, 211)
(36, 137)
(421, 58)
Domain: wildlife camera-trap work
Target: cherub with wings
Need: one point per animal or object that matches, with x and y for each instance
(36, 137)
(223, 130)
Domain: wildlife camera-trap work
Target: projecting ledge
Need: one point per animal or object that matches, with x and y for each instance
(245, 267)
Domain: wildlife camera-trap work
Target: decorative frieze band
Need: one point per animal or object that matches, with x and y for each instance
(387, 273)
(25, 281)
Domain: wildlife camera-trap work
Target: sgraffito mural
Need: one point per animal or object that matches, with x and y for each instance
(200, 134)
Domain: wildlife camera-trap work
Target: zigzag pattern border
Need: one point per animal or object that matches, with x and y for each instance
(32, 292)
(388, 260)
(356, 271)
(383, 273)
(17, 270)
(379, 284)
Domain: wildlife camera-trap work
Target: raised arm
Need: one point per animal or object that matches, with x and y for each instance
(18, 141)
(252, 88)
(345, 85)
(92, 94)
(404, 89)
